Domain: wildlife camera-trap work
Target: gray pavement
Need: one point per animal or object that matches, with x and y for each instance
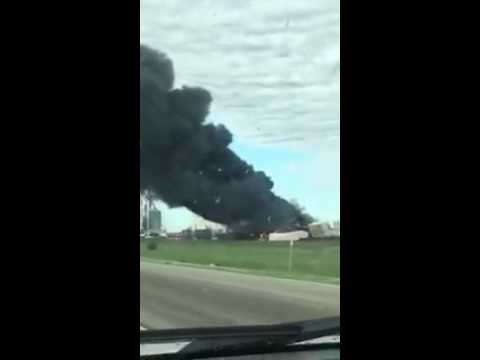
(174, 296)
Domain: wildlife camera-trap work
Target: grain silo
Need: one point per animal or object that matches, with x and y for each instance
(155, 220)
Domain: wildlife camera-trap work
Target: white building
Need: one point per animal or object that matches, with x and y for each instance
(325, 229)
(288, 236)
(199, 223)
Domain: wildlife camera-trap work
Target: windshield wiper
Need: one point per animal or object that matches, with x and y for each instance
(242, 340)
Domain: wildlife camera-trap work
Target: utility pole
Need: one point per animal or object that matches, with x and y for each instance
(290, 256)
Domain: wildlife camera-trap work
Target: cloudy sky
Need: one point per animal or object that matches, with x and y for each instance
(273, 68)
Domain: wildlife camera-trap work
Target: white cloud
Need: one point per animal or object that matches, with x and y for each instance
(271, 66)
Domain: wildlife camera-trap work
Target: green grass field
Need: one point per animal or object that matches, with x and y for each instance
(312, 260)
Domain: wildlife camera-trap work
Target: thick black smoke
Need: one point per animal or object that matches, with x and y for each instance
(187, 162)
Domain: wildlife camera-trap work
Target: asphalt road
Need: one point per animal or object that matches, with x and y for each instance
(176, 296)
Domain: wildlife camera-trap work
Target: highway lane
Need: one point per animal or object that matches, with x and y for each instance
(174, 296)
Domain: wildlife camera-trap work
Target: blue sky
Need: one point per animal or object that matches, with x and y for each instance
(312, 176)
(309, 175)
(273, 70)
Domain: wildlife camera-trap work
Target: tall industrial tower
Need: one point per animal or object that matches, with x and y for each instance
(150, 217)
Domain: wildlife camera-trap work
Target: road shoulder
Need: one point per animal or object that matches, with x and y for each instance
(324, 280)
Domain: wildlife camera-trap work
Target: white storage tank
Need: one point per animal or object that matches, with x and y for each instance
(288, 236)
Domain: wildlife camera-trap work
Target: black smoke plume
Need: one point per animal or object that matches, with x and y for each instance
(187, 162)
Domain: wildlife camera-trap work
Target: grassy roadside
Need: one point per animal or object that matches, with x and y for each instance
(312, 261)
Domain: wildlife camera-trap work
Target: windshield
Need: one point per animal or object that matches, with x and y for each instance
(239, 162)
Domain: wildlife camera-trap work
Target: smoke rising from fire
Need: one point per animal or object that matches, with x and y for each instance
(187, 162)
